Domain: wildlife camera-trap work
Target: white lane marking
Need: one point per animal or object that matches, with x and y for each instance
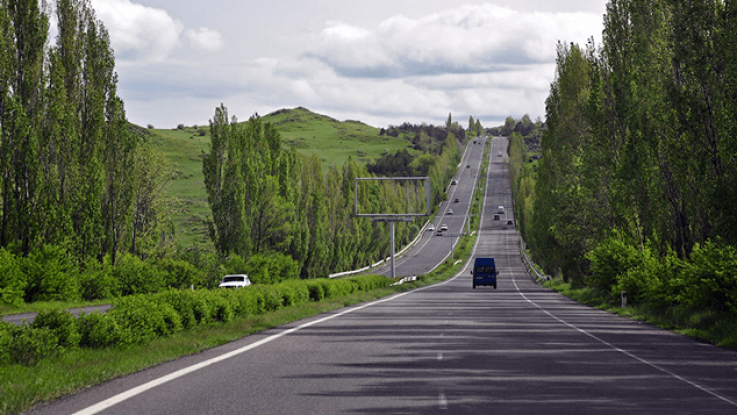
(442, 401)
(100, 406)
(639, 359)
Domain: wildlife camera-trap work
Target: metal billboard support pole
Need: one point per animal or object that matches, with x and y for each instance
(391, 245)
(392, 217)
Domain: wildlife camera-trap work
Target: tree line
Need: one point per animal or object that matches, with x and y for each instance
(83, 214)
(636, 187)
(72, 172)
(269, 200)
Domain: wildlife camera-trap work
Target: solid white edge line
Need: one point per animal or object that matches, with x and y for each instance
(102, 405)
(639, 359)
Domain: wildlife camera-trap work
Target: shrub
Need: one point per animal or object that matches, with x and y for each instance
(183, 303)
(315, 289)
(179, 274)
(51, 275)
(97, 281)
(245, 302)
(27, 345)
(12, 279)
(220, 307)
(6, 336)
(62, 323)
(143, 320)
(99, 330)
(201, 307)
(137, 277)
(609, 260)
(711, 277)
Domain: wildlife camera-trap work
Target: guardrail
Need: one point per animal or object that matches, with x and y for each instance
(383, 261)
(528, 263)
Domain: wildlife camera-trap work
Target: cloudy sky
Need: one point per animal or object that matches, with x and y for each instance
(381, 61)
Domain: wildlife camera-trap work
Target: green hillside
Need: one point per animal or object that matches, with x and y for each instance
(310, 133)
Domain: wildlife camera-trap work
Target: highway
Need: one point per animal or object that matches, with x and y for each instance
(446, 348)
(432, 249)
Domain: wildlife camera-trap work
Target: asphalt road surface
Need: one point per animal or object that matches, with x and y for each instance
(447, 348)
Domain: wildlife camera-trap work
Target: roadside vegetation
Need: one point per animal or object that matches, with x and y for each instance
(58, 354)
(633, 192)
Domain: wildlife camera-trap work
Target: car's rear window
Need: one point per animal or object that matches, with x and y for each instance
(234, 279)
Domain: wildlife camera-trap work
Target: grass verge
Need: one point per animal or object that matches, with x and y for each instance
(708, 326)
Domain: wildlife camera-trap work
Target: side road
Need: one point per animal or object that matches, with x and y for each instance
(27, 318)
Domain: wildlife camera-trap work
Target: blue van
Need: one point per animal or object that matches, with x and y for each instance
(484, 272)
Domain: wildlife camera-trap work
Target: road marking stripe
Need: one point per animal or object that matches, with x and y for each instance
(639, 359)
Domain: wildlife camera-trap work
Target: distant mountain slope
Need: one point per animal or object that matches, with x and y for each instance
(334, 141)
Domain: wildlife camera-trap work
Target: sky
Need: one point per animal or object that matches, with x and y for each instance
(382, 62)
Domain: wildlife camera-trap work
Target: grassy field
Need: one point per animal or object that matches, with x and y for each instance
(334, 141)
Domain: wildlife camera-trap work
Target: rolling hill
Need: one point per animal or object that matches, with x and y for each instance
(310, 133)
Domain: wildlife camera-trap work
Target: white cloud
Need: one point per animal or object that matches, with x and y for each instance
(138, 32)
(205, 39)
(469, 39)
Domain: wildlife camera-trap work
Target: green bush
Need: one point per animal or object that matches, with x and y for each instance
(13, 280)
(221, 310)
(51, 275)
(201, 307)
(97, 281)
(180, 274)
(27, 345)
(271, 269)
(99, 330)
(184, 304)
(138, 277)
(315, 289)
(143, 320)
(62, 323)
(6, 336)
(611, 259)
(711, 277)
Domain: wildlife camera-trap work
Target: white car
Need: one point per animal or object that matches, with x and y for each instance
(235, 281)
(431, 228)
(444, 227)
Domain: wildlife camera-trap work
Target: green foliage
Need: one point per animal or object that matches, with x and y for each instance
(12, 279)
(135, 276)
(51, 275)
(142, 320)
(98, 282)
(271, 269)
(711, 277)
(27, 345)
(179, 274)
(100, 330)
(610, 260)
(62, 324)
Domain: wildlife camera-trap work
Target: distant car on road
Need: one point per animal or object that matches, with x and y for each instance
(468, 166)
(496, 217)
(500, 209)
(431, 228)
(456, 200)
(450, 212)
(235, 281)
(454, 181)
(444, 227)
